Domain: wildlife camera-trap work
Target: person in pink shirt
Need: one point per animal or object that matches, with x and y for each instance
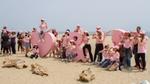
(114, 59)
(87, 45)
(43, 28)
(142, 49)
(104, 54)
(135, 43)
(127, 44)
(99, 37)
(43, 25)
(65, 42)
(79, 29)
(26, 42)
(115, 56)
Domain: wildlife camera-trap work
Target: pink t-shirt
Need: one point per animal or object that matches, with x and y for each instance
(26, 39)
(115, 56)
(105, 54)
(127, 43)
(99, 40)
(43, 26)
(142, 46)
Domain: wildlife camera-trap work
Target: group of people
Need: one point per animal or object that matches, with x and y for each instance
(106, 56)
(8, 41)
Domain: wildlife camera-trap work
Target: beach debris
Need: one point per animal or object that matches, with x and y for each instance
(17, 63)
(86, 75)
(144, 82)
(38, 69)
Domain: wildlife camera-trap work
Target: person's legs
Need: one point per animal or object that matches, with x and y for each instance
(13, 47)
(97, 49)
(143, 61)
(128, 60)
(100, 57)
(64, 53)
(121, 62)
(84, 49)
(90, 52)
(138, 60)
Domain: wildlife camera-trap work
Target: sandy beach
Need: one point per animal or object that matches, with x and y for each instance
(67, 73)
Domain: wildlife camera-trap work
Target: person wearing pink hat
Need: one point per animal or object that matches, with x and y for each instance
(43, 25)
(87, 45)
(43, 28)
(141, 53)
(99, 37)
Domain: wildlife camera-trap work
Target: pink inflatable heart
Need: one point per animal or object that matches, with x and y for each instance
(79, 45)
(47, 44)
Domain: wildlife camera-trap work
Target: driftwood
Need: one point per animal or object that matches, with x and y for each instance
(39, 70)
(86, 75)
(17, 63)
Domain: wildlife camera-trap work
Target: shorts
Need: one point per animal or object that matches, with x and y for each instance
(26, 45)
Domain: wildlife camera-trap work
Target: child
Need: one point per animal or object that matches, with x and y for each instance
(99, 37)
(121, 52)
(35, 52)
(114, 59)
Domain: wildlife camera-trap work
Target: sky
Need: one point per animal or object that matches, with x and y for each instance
(23, 15)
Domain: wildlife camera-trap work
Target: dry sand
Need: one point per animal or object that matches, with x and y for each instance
(67, 73)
